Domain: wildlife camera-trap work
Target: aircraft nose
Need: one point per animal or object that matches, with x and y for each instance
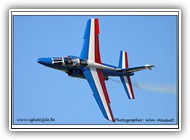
(44, 61)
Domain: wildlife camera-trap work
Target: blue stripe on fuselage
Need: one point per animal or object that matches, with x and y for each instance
(116, 73)
(109, 65)
(107, 72)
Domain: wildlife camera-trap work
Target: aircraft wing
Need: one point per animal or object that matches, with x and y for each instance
(95, 77)
(96, 81)
(90, 50)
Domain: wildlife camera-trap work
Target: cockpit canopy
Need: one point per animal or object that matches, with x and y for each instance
(55, 59)
(69, 61)
(58, 60)
(72, 61)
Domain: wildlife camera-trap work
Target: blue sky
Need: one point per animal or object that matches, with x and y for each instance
(41, 92)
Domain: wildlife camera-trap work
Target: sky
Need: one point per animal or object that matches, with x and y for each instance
(45, 93)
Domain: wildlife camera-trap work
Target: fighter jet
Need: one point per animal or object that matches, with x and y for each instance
(90, 67)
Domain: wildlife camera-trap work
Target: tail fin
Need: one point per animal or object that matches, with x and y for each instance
(126, 80)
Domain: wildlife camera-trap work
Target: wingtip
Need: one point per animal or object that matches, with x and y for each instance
(149, 66)
(113, 120)
(110, 119)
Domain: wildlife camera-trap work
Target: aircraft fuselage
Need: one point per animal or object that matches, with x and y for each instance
(72, 66)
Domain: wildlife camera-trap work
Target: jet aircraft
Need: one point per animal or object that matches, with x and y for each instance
(90, 67)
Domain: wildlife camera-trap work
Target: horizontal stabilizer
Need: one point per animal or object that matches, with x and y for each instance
(148, 66)
(135, 69)
(126, 81)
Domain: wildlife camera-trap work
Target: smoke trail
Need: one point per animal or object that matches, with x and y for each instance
(160, 88)
(163, 88)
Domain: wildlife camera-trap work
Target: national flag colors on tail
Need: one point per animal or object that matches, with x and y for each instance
(126, 80)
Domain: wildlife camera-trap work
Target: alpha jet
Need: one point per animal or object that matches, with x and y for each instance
(90, 67)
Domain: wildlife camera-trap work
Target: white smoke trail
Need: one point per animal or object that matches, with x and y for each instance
(159, 88)
(163, 88)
